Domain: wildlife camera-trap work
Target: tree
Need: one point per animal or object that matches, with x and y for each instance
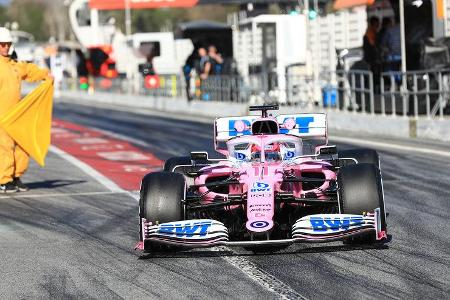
(29, 14)
(42, 18)
(165, 19)
(3, 15)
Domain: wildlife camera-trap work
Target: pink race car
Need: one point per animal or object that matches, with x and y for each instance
(280, 183)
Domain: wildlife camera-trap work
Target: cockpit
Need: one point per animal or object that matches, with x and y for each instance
(265, 149)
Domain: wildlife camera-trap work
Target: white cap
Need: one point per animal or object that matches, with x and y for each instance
(5, 35)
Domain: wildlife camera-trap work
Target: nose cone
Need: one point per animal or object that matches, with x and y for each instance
(261, 225)
(260, 205)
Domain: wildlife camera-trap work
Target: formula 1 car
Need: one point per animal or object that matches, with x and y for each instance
(280, 183)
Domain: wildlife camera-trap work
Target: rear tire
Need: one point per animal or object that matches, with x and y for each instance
(360, 189)
(365, 156)
(160, 200)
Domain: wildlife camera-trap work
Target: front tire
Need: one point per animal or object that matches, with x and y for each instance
(360, 189)
(172, 162)
(365, 156)
(160, 200)
(161, 197)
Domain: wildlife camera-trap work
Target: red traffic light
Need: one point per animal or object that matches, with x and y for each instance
(152, 81)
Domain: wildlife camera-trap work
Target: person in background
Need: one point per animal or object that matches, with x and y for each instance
(205, 63)
(204, 71)
(386, 23)
(189, 68)
(215, 59)
(13, 159)
(370, 55)
(392, 43)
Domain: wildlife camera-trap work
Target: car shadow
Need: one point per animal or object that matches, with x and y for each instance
(50, 184)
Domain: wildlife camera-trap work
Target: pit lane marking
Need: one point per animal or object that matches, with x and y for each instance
(50, 195)
(106, 182)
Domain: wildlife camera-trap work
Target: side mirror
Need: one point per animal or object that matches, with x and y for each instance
(199, 156)
(328, 150)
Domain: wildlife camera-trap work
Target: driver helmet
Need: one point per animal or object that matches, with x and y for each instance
(272, 151)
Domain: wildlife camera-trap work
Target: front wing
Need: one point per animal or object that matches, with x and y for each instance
(312, 228)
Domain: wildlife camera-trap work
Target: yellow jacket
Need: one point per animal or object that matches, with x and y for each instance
(11, 75)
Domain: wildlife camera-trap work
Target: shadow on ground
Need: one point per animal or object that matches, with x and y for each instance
(50, 184)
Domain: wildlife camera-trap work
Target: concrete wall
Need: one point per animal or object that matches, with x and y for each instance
(175, 105)
(402, 127)
(434, 129)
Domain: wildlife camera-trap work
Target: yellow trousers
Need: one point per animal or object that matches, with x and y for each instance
(13, 159)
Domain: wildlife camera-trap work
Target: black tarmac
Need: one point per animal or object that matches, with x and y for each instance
(70, 237)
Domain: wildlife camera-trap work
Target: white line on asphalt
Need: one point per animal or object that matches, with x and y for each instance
(267, 281)
(87, 169)
(60, 194)
(390, 146)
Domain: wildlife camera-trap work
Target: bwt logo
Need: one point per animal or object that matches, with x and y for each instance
(302, 123)
(232, 130)
(334, 224)
(185, 230)
(260, 187)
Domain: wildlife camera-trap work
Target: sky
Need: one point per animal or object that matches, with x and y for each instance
(4, 2)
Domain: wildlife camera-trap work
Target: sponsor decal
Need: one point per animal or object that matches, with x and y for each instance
(240, 156)
(260, 187)
(260, 207)
(259, 224)
(334, 224)
(302, 124)
(289, 154)
(232, 127)
(186, 230)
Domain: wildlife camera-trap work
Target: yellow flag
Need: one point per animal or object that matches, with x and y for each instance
(29, 122)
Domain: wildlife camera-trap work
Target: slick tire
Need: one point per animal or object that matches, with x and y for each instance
(160, 200)
(366, 156)
(172, 162)
(161, 195)
(360, 189)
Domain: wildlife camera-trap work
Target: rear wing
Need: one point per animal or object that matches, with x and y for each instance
(300, 125)
(304, 125)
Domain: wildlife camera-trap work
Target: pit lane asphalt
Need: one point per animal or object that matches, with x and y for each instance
(80, 246)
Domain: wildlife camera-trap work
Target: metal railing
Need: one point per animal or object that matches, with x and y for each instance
(415, 93)
(345, 90)
(418, 93)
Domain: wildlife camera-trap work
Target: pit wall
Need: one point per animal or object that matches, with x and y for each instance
(402, 127)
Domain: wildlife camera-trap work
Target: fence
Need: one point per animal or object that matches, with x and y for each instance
(416, 93)
(393, 93)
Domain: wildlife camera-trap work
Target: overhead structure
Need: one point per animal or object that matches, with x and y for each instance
(148, 4)
(340, 4)
(139, 4)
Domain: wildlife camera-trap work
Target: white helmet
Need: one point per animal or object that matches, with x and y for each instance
(5, 35)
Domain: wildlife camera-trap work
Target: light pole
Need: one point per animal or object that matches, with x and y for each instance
(127, 18)
(402, 34)
(403, 50)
